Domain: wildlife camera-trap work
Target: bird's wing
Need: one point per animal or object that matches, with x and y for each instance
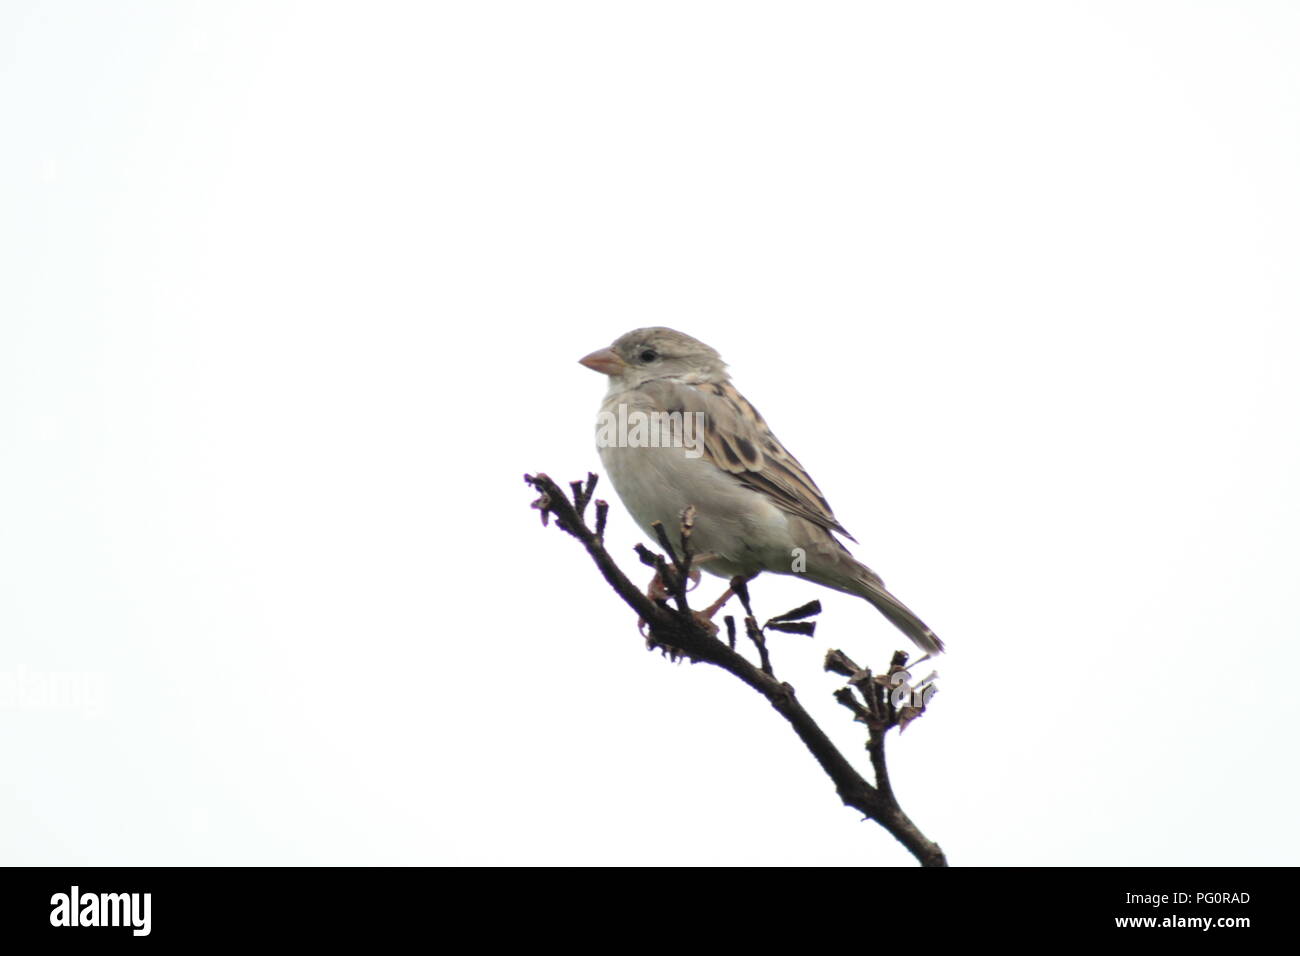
(737, 440)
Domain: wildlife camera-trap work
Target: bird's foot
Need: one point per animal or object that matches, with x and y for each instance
(702, 619)
(657, 592)
(717, 605)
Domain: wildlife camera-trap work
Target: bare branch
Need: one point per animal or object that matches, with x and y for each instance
(683, 632)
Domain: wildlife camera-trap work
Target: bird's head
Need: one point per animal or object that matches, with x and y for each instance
(646, 355)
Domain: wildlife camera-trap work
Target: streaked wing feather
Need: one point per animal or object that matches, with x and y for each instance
(737, 440)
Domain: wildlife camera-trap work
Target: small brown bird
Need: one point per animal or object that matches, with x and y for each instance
(673, 431)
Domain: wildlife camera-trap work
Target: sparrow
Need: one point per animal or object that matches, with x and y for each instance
(673, 431)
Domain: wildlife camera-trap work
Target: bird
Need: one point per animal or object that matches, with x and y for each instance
(673, 431)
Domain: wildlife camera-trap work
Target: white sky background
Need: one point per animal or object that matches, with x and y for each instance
(291, 296)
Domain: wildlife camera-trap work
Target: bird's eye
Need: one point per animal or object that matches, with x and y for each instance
(648, 355)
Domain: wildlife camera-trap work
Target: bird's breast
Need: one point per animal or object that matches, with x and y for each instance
(658, 474)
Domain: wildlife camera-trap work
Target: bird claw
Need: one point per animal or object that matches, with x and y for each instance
(703, 621)
(657, 591)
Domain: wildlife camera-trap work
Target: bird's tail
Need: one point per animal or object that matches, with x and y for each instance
(869, 586)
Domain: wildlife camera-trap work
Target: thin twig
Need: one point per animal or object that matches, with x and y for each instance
(755, 634)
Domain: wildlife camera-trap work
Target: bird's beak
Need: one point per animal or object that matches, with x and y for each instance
(605, 361)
